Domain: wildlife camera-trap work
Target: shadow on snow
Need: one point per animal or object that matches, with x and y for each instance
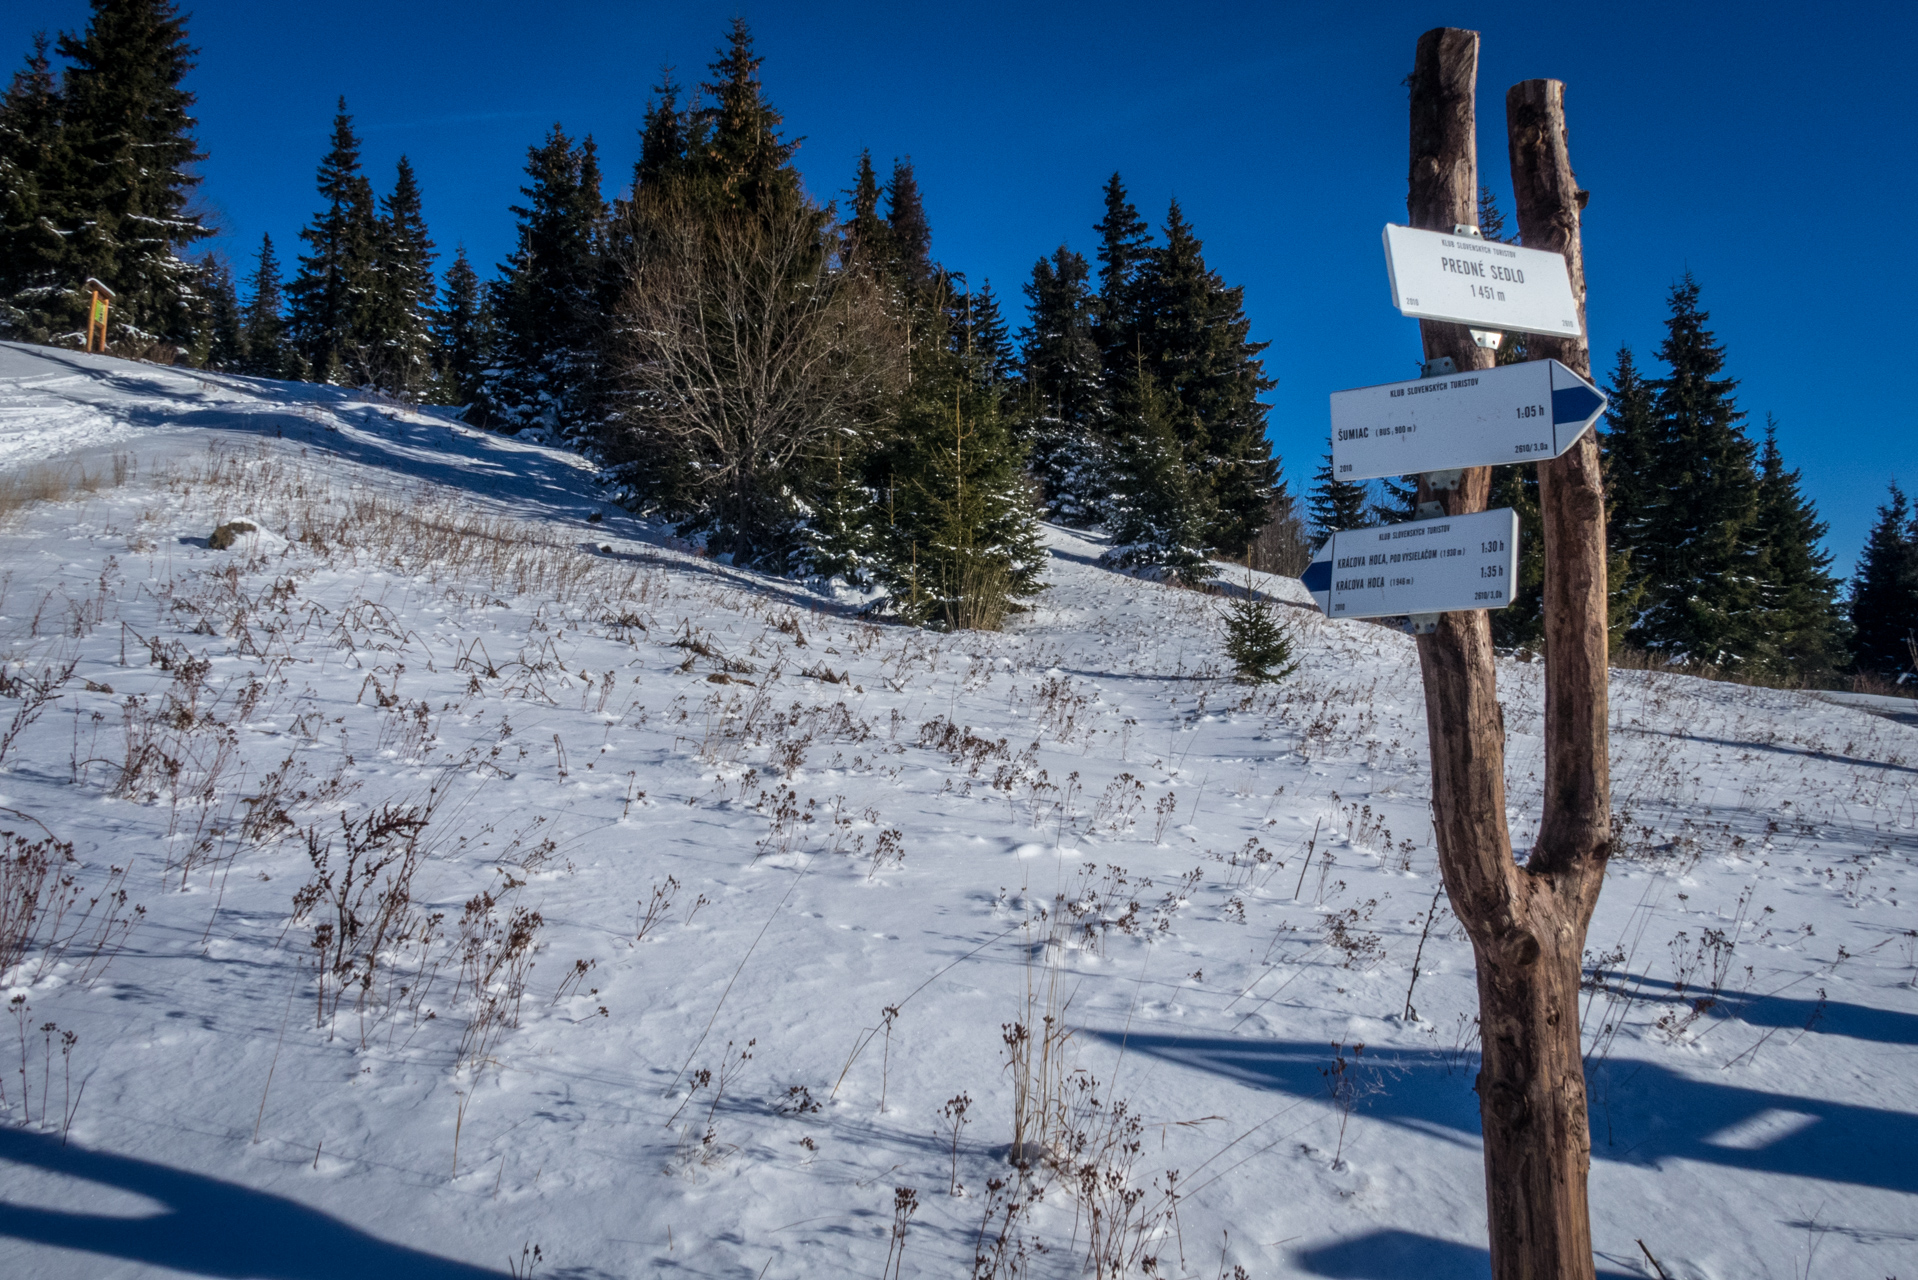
(1644, 1114)
(209, 1227)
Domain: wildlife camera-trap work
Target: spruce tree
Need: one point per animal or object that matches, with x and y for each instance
(1398, 499)
(1798, 595)
(1260, 646)
(840, 531)
(1157, 521)
(1063, 407)
(459, 335)
(33, 165)
(1192, 335)
(963, 545)
(742, 159)
(840, 534)
(663, 138)
(843, 533)
(128, 177)
(222, 343)
(1628, 444)
(1491, 222)
(402, 312)
(262, 326)
(1625, 596)
(669, 142)
(1125, 247)
(333, 295)
(667, 138)
(982, 339)
(949, 337)
(1333, 504)
(908, 233)
(866, 232)
(1884, 595)
(1698, 555)
(546, 304)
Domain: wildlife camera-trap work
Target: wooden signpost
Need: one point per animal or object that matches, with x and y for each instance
(97, 313)
(1527, 923)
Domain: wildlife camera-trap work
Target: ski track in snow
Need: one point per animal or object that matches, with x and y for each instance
(599, 715)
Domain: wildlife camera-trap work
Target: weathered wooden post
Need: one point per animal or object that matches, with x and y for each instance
(1527, 924)
(1567, 866)
(1571, 498)
(1462, 713)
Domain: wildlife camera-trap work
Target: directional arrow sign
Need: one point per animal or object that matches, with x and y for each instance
(1515, 413)
(1422, 566)
(1436, 276)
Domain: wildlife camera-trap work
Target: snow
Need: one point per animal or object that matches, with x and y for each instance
(1887, 705)
(825, 851)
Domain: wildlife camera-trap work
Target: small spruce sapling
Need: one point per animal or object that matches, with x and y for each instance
(1258, 644)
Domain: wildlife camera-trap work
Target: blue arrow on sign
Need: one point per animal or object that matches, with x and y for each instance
(1577, 403)
(1317, 577)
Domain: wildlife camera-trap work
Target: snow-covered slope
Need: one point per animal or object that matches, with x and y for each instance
(500, 879)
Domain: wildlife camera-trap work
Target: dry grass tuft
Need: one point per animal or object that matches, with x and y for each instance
(59, 482)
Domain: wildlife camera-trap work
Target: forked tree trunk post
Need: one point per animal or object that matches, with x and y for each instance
(1567, 866)
(1577, 817)
(1527, 924)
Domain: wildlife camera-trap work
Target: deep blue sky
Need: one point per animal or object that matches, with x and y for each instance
(1767, 149)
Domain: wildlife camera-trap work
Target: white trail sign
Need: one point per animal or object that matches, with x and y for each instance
(1480, 418)
(1465, 280)
(1422, 566)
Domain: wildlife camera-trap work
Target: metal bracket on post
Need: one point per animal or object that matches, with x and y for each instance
(1438, 368)
(1422, 624)
(1438, 482)
(1487, 338)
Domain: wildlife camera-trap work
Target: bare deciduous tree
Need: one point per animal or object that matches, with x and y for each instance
(1282, 547)
(752, 344)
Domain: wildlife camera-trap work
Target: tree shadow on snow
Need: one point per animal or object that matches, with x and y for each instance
(1642, 1113)
(209, 1227)
(1790, 1013)
(1776, 748)
(1391, 1255)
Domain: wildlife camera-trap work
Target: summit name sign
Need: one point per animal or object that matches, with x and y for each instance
(1480, 418)
(1465, 280)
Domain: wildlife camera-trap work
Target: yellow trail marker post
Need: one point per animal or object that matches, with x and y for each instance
(97, 313)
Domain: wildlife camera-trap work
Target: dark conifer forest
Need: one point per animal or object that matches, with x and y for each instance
(799, 381)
